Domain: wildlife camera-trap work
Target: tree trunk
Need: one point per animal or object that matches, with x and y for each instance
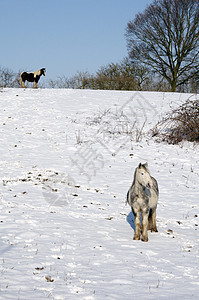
(173, 82)
(173, 86)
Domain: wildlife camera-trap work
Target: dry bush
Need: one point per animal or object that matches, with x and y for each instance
(117, 125)
(180, 124)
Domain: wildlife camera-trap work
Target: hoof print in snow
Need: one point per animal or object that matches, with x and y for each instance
(49, 279)
(109, 218)
(170, 232)
(39, 269)
(179, 222)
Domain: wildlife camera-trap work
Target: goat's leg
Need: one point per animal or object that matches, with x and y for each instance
(137, 225)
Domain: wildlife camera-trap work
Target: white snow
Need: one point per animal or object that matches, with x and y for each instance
(67, 161)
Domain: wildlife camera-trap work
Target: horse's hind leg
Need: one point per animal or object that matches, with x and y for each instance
(150, 220)
(153, 217)
(137, 225)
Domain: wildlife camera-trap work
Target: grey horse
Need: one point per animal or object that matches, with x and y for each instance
(143, 198)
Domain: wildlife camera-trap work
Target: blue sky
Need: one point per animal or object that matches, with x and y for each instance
(65, 36)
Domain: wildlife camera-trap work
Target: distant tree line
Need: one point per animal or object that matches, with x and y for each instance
(114, 76)
(124, 75)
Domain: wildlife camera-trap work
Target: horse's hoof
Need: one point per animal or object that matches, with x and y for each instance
(136, 237)
(154, 230)
(144, 239)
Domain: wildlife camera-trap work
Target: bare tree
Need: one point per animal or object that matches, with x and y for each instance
(9, 78)
(6, 77)
(165, 37)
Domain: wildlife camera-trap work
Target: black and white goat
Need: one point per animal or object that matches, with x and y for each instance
(32, 77)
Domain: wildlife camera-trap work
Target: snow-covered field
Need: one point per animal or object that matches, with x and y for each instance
(67, 161)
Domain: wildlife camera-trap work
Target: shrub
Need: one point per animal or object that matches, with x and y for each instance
(180, 124)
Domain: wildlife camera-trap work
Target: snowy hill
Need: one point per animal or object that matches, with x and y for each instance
(67, 161)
